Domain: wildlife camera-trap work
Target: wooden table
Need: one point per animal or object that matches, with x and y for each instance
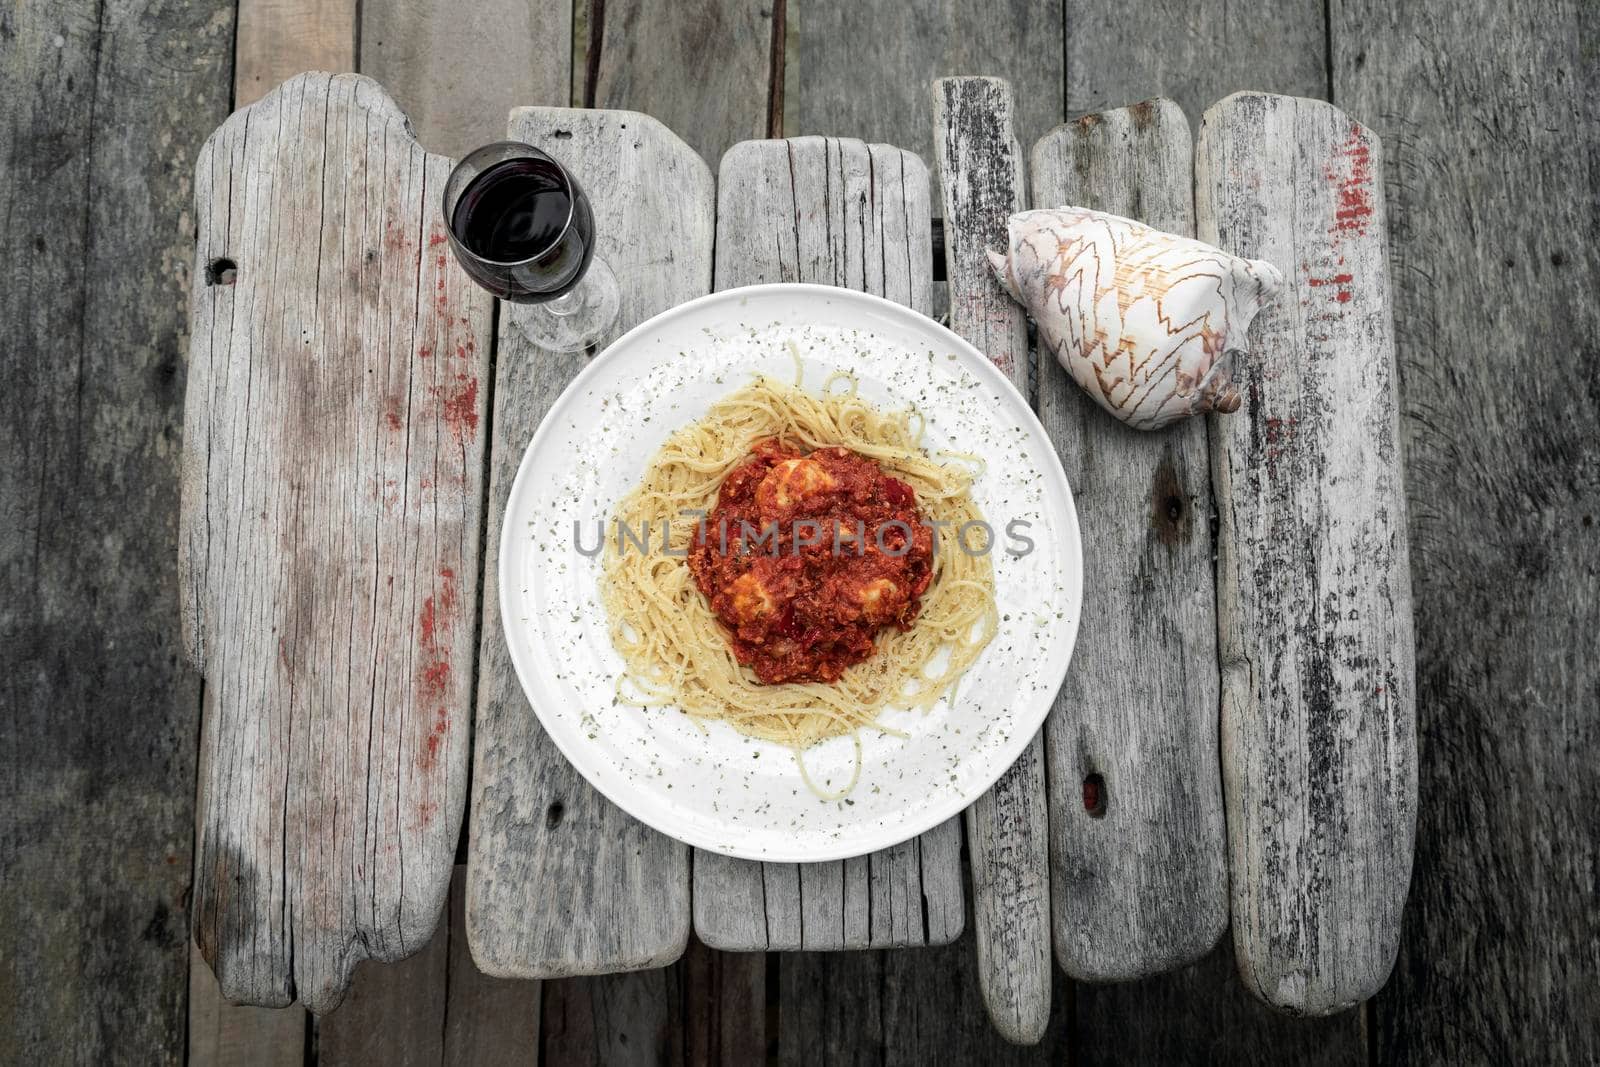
(336, 429)
(1486, 187)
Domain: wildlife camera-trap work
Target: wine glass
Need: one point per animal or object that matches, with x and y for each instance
(521, 227)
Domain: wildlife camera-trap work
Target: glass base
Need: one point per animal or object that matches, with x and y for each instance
(581, 319)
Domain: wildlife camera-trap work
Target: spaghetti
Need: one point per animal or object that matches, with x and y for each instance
(675, 649)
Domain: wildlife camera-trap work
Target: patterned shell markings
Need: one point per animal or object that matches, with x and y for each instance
(1145, 321)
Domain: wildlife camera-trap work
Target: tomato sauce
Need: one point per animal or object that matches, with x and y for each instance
(807, 556)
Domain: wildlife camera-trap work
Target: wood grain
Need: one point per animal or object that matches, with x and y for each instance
(487, 1021)
(1194, 52)
(1490, 126)
(619, 1020)
(230, 1035)
(102, 111)
(1202, 1014)
(394, 1014)
(225, 1034)
(332, 470)
(835, 212)
(656, 58)
(1141, 887)
(724, 1008)
(459, 68)
(707, 1008)
(278, 39)
(560, 880)
(862, 69)
(1008, 832)
(1313, 574)
(434, 1008)
(901, 1007)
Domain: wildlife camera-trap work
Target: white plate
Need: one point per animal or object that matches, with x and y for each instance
(717, 789)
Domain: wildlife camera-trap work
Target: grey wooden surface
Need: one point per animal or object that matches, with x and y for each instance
(1008, 835)
(909, 1007)
(328, 545)
(837, 212)
(457, 69)
(862, 69)
(561, 881)
(434, 1008)
(1141, 887)
(220, 1033)
(277, 39)
(1313, 571)
(1489, 182)
(1203, 1013)
(1194, 52)
(102, 111)
(395, 1014)
(1490, 174)
(703, 67)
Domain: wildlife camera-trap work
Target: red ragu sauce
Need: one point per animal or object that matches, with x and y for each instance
(805, 616)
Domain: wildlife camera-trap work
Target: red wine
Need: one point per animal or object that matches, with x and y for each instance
(513, 211)
(526, 228)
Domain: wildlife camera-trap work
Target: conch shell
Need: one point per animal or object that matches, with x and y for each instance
(1143, 320)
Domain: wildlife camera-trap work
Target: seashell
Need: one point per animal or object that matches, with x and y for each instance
(1145, 321)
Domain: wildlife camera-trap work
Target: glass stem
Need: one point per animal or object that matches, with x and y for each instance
(570, 302)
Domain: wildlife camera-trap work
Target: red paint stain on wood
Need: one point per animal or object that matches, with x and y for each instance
(394, 237)
(1280, 435)
(1340, 284)
(437, 619)
(458, 407)
(441, 619)
(429, 755)
(1351, 175)
(436, 240)
(435, 676)
(425, 352)
(392, 417)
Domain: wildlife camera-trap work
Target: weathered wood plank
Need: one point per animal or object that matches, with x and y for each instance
(433, 1008)
(1194, 53)
(102, 110)
(656, 58)
(900, 1007)
(862, 69)
(394, 1013)
(228, 1035)
(724, 1006)
(1490, 125)
(981, 170)
(331, 520)
(619, 1020)
(225, 1034)
(836, 212)
(278, 39)
(1313, 577)
(1141, 884)
(560, 880)
(458, 69)
(487, 1021)
(1202, 1014)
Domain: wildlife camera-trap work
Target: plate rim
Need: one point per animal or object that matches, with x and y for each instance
(922, 820)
